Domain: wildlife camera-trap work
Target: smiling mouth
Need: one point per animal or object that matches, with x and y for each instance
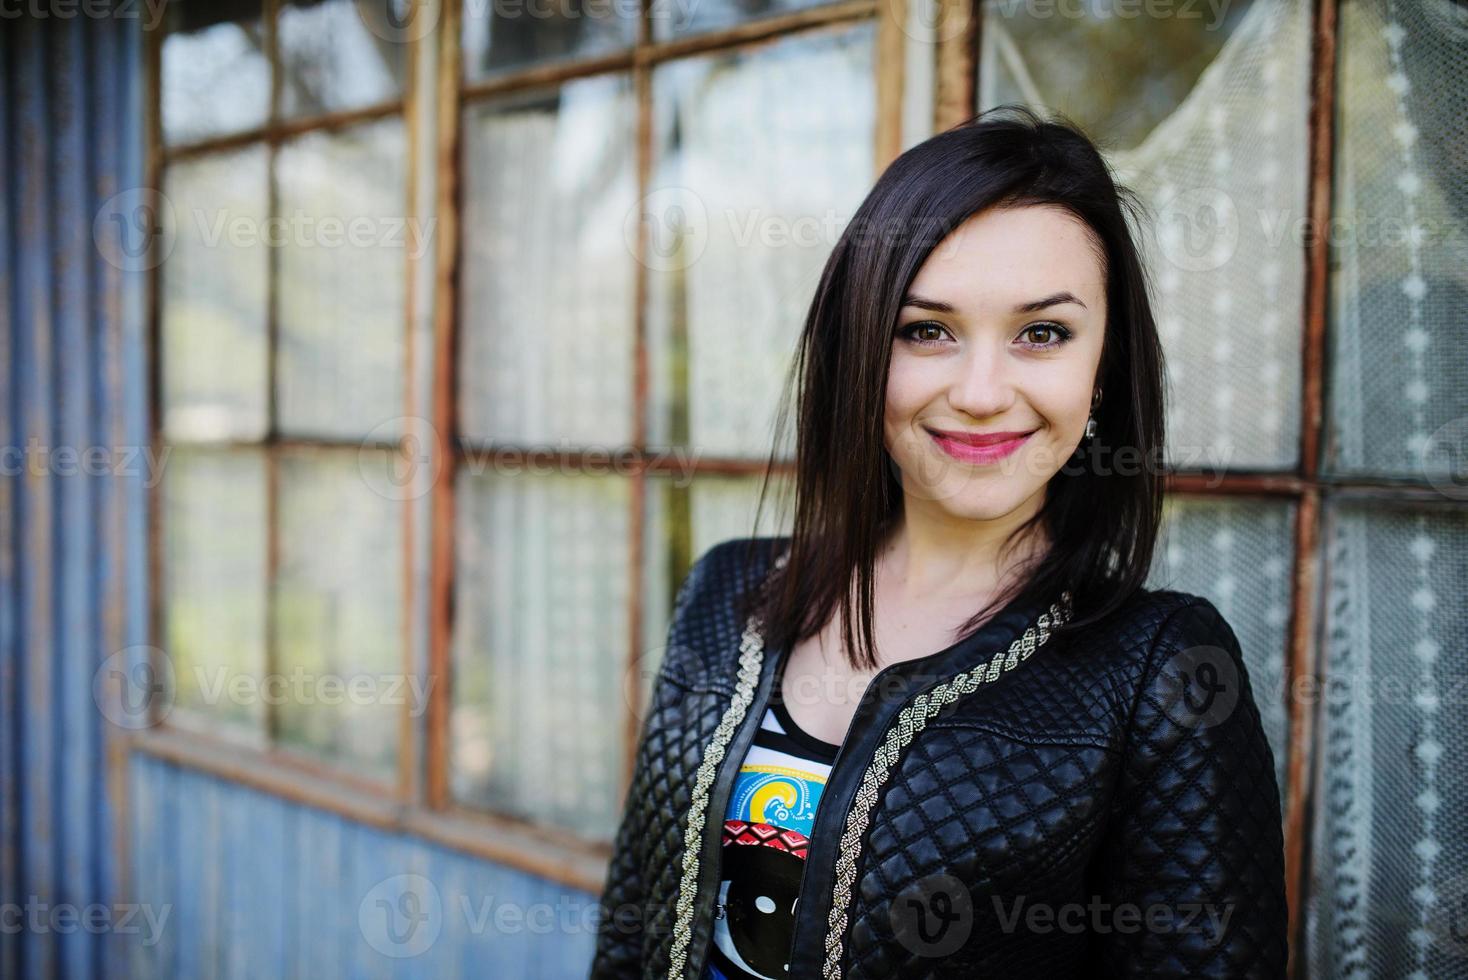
(968, 452)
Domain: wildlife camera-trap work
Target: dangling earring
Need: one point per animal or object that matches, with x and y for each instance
(1091, 420)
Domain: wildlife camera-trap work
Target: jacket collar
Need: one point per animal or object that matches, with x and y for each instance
(892, 688)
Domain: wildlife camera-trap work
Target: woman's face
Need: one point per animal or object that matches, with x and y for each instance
(1000, 332)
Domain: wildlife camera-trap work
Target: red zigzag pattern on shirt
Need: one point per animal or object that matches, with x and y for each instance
(765, 835)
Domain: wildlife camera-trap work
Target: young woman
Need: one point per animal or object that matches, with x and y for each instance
(943, 729)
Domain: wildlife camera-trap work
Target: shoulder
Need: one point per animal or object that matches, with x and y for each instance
(1156, 639)
(727, 569)
(1153, 622)
(705, 626)
(1187, 681)
(735, 562)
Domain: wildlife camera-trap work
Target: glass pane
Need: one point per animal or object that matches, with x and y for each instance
(752, 189)
(214, 580)
(347, 240)
(1236, 553)
(684, 17)
(1206, 118)
(338, 611)
(1399, 381)
(1389, 883)
(547, 277)
(212, 297)
(540, 642)
(1085, 61)
(723, 508)
(667, 549)
(519, 33)
(341, 54)
(215, 77)
(682, 521)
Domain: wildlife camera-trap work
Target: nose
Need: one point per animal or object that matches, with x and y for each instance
(983, 385)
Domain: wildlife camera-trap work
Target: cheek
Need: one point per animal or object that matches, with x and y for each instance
(1065, 411)
(1063, 397)
(904, 402)
(906, 390)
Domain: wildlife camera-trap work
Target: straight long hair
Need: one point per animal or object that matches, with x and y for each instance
(1102, 521)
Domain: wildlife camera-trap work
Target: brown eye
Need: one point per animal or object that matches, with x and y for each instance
(923, 332)
(1054, 333)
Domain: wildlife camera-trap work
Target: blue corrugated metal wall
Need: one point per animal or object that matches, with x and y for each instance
(73, 560)
(263, 888)
(243, 884)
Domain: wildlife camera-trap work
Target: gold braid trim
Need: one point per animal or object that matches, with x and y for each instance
(751, 658)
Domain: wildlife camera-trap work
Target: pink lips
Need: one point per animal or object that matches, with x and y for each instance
(979, 449)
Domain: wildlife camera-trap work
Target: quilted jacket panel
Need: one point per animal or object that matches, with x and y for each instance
(1107, 808)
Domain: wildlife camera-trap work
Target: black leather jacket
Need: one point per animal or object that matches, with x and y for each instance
(1103, 808)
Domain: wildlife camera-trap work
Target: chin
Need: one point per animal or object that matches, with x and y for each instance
(975, 500)
(982, 509)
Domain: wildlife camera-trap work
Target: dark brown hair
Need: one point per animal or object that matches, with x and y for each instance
(1102, 521)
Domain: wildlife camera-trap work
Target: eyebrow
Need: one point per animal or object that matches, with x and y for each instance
(1054, 299)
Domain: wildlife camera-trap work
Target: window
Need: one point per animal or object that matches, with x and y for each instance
(634, 217)
(561, 224)
(1388, 821)
(281, 324)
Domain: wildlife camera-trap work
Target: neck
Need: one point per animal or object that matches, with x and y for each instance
(933, 555)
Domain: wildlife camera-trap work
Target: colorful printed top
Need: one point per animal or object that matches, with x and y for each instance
(770, 814)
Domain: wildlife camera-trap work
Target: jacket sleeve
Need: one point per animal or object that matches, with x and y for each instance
(627, 916)
(1192, 867)
(623, 902)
